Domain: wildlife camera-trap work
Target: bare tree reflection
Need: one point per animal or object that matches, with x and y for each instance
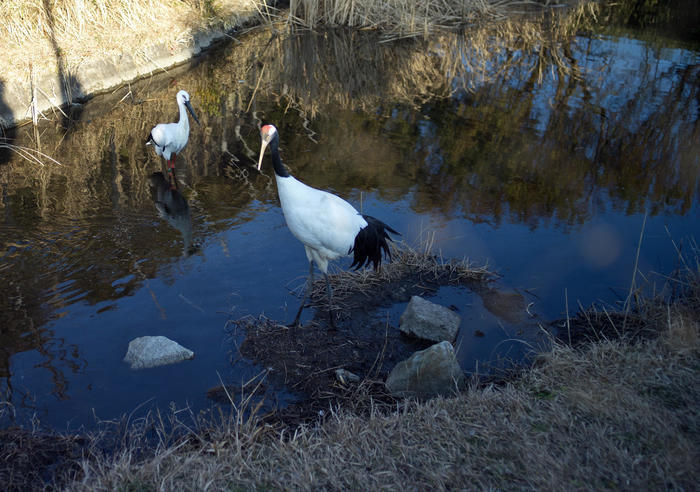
(23, 331)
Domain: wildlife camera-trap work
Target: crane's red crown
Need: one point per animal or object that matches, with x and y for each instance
(268, 130)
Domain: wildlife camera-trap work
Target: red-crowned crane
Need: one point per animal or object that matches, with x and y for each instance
(328, 226)
(170, 138)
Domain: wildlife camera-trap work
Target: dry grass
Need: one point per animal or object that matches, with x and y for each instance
(30, 457)
(354, 290)
(612, 414)
(67, 24)
(402, 18)
(56, 36)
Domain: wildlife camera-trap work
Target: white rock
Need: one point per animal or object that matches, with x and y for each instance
(430, 321)
(427, 373)
(145, 352)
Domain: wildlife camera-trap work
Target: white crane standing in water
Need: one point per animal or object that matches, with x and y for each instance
(170, 138)
(328, 226)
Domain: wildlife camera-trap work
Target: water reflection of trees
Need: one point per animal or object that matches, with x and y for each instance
(555, 150)
(506, 118)
(531, 123)
(22, 317)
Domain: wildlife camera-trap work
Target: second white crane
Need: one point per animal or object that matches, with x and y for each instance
(170, 138)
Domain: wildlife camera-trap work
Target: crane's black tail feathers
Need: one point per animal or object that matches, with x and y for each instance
(149, 140)
(370, 242)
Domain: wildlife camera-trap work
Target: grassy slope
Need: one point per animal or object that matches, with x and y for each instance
(608, 414)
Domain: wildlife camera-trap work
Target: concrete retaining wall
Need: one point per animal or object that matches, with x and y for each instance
(92, 77)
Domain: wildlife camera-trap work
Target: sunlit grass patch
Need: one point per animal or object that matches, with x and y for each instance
(55, 37)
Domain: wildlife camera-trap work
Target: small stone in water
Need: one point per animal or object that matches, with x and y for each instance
(145, 352)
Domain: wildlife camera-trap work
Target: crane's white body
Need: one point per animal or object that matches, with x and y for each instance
(170, 138)
(324, 223)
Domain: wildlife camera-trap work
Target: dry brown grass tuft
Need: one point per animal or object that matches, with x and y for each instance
(27, 458)
(355, 289)
(92, 27)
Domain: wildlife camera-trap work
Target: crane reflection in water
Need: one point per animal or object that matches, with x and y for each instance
(173, 207)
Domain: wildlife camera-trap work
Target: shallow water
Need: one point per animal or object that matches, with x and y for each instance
(548, 181)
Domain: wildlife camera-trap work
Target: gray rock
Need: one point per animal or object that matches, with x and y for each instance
(430, 321)
(427, 373)
(144, 352)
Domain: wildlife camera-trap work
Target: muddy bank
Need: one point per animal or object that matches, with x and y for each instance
(32, 459)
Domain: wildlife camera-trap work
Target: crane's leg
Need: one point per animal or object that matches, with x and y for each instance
(307, 289)
(171, 162)
(172, 179)
(330, 295)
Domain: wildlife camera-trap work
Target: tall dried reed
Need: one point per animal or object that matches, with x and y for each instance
(401, 17)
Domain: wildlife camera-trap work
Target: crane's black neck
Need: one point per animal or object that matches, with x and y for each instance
(276, 159)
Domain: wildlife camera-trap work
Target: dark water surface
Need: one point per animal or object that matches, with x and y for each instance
(540, 161)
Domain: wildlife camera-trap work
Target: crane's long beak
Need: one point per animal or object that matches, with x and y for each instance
(263, 146)
(189, 108)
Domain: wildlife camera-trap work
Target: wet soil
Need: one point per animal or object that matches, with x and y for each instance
(595, 325)
(30, 461)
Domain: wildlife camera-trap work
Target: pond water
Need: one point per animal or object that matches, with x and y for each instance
(544, 161)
